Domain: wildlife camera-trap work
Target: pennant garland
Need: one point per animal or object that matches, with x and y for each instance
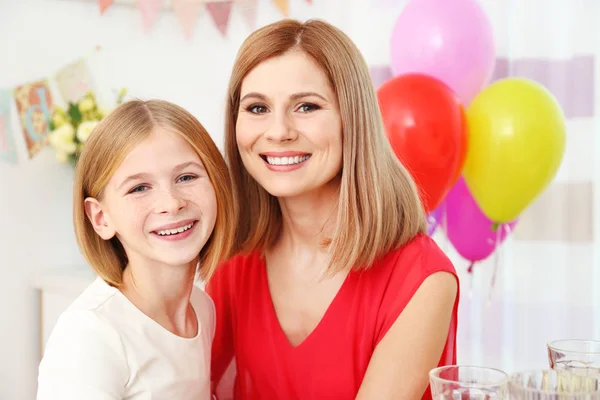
(34, 103)
(37, 103)
(188, 12)
(8, 151)
(74, 81)
(103, 5)
(220, 12)
(150, 10)
(283, 5)
(249, 10)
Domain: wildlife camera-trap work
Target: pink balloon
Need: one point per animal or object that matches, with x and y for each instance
(451, 40)
(468, 229)
(433, 220)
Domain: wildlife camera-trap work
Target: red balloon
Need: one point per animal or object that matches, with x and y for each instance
(426, 126)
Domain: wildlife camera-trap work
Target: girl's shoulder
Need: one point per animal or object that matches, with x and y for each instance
(204, 307)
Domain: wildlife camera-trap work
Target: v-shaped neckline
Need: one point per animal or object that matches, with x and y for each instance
(272, 314)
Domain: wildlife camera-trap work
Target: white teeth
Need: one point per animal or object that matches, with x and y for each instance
(287, 160)
(167, 232)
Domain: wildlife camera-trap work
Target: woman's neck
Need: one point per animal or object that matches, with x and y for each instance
(163, 293)
(309, 219)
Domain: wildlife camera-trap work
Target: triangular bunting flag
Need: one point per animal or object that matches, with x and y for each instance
(283, 5)
(149, 10)
(34, 102)
(249, 10)
(8, 151)
(187, 11)
(104, 4)
(220, 12)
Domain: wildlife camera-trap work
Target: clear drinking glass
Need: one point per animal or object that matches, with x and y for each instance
(577, 356)
(549, 384)
(457, 382)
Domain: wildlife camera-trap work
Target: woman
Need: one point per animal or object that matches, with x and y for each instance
(337, 292)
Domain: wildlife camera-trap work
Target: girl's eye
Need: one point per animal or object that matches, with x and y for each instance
(139, 189)
(308, 107)
(186, 178)
(257, 109)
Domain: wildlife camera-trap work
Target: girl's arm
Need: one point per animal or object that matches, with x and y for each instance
(400, 365)
(83, 359)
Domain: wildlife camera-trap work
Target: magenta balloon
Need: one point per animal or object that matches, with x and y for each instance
(433, 220)
(467, 228)
(451, 40)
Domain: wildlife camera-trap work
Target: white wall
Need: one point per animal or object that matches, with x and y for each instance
(39, 36)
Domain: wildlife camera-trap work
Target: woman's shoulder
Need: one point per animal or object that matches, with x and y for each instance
(233, 277)
(420, 256)
(236, 268)
(241, 260)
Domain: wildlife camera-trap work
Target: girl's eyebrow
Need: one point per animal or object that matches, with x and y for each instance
(134, 177)
(189, 164)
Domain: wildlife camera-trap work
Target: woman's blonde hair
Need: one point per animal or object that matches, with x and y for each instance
(108, 145)
(379, 207)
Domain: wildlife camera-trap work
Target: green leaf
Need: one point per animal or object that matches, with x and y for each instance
(73, 158)
(74, 113)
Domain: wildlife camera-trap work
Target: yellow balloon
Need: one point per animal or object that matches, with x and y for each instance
(516, 144)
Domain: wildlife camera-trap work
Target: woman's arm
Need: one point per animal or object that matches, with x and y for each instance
(400, 365)
(83, 359)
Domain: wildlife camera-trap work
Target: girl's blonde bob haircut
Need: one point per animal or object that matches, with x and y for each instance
(379, 207)
(108, 145)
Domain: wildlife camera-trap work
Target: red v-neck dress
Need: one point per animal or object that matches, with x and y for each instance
(331, 362)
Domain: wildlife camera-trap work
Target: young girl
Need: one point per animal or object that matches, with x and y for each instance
(152, 209)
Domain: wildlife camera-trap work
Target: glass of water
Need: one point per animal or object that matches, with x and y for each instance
(549, 384)
(577, 356)
(457, 382)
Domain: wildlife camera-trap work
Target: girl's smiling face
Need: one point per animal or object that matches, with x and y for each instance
(160, 203)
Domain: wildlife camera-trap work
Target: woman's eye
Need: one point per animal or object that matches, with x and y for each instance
(139, 189)
(307, 107)
(186, 178)
(257, 109)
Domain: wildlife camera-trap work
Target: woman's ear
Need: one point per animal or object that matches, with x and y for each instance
(99, 218)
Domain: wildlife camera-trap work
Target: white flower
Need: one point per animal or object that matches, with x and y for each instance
(63, 139)
(104, 111)
(62, 157)
(85, 129)
(86, 104)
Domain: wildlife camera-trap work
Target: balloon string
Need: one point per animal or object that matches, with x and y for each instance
(497, 258)
(470, 271)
